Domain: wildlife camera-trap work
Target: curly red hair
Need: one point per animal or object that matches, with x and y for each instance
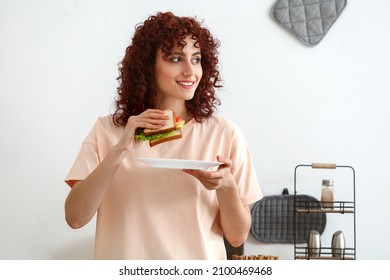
(137, 87)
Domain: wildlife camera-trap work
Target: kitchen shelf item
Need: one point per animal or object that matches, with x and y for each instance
(338, 244)
(274, 221)
(339, 207)
(327, 194)
(314, 243)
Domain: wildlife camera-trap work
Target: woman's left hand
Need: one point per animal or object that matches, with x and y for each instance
(212, 180)
(235, 217)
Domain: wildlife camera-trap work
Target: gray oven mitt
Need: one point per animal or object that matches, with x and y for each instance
(273, 219)
(307, 20)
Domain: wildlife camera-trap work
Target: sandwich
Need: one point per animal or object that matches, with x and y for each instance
(170, 131)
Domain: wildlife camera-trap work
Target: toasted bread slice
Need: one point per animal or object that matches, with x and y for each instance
(171, 124)
(176, 135)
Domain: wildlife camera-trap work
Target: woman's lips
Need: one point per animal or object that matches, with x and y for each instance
(186, 84)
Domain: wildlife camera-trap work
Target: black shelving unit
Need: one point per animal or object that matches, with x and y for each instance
(340, 207)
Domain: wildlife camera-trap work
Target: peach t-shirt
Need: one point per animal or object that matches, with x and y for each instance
(152, 213)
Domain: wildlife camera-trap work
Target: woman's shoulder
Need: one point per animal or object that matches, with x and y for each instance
(106, 123)
(215, 124)
(220, 121)
(106, 120)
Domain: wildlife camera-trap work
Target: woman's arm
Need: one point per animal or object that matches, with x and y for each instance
(235, 217)
(86, 196)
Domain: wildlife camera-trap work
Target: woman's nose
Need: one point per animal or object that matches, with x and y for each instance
(189, 69)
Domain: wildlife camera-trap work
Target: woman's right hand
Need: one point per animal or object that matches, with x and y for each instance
(86, 196)
(151, 118)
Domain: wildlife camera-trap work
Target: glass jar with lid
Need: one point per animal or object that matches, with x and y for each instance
(327, 194)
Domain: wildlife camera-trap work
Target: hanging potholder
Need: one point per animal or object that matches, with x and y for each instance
(307, 20)
(273, 219)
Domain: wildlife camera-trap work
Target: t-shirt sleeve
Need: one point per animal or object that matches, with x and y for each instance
(244, 171)
(86, 161)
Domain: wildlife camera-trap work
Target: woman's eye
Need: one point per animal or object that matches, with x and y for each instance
(196, 60)
(175, 59)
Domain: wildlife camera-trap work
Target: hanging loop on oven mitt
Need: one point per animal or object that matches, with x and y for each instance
(307, 20)
(273, 219)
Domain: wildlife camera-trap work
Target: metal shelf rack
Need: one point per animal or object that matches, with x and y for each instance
(340, 207)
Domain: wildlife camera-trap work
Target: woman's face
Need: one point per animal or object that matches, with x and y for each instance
(178, 76)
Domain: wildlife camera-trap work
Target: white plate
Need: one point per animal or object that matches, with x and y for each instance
(179, 163)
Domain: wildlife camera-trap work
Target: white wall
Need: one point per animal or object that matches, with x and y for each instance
(58, 65)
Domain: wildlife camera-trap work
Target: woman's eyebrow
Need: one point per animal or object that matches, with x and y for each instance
(182, 53)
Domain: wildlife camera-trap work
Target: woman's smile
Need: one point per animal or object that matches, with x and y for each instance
(185, 84)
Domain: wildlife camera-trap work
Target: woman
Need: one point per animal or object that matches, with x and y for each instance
(151, 213)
